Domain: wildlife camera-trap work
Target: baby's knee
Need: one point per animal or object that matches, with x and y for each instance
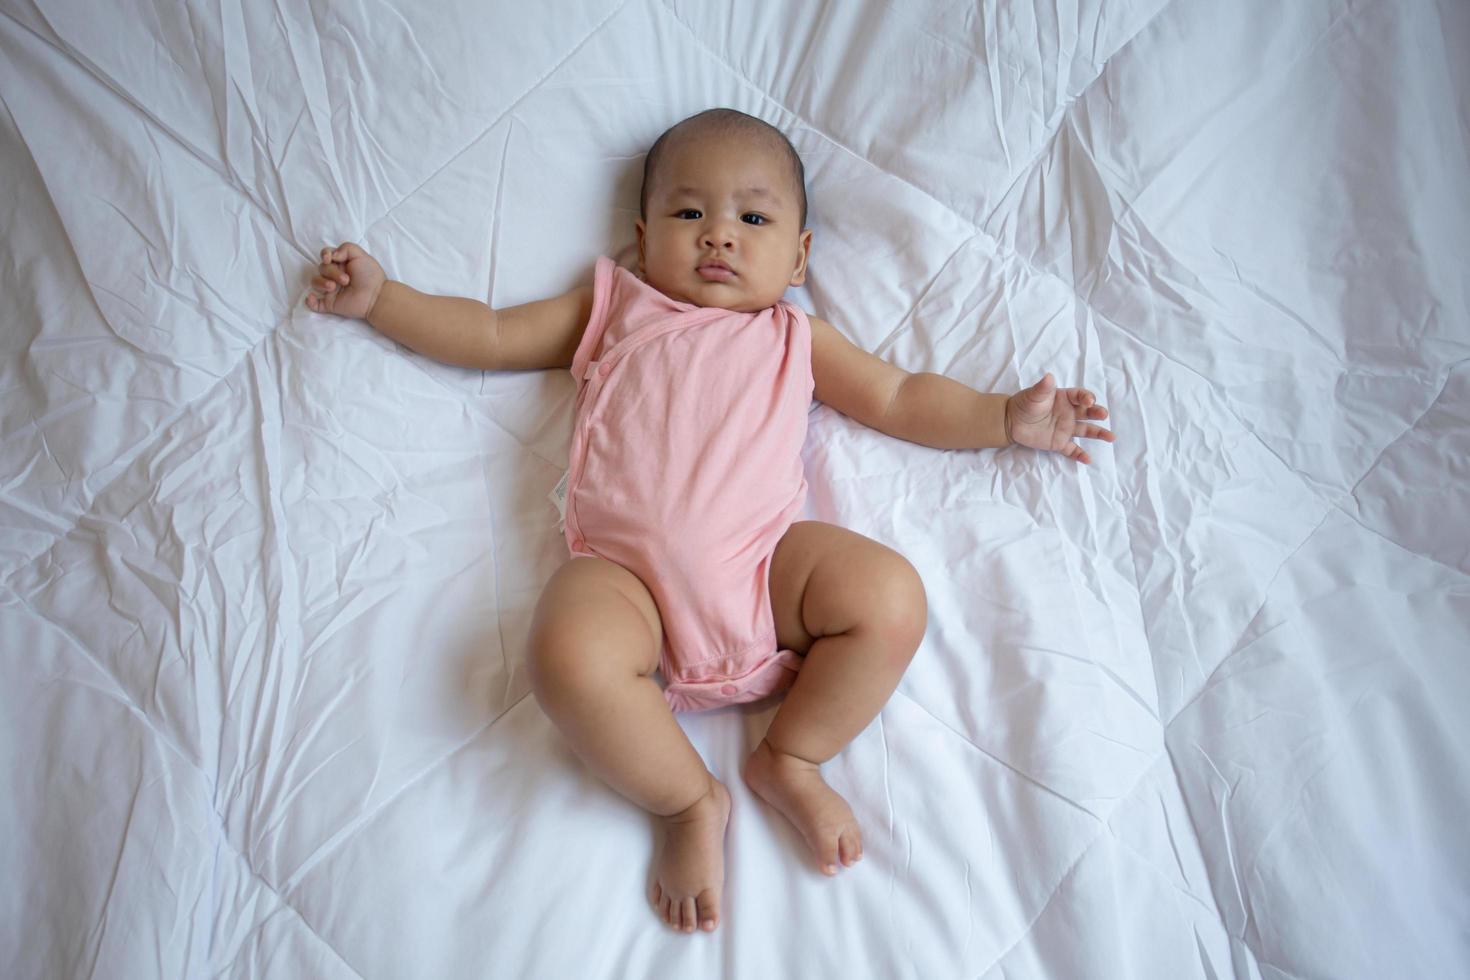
(899, 610)
(556, 657)
(584, 638)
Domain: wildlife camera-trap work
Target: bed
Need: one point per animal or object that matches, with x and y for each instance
(1197, 710)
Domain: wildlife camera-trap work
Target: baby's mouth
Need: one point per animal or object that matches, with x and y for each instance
(715, 271)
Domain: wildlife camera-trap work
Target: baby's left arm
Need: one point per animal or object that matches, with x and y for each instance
(933, 410)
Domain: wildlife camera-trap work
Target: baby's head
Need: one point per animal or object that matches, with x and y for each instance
(723, 213)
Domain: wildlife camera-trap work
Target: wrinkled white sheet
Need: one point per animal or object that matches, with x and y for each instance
(265, 580)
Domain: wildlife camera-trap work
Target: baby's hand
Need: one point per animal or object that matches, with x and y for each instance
(347, 282)
(1047, 417)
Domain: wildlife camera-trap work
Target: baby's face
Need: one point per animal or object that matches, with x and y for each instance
(724, 225)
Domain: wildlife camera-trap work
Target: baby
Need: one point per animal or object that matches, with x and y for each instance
(694, 380)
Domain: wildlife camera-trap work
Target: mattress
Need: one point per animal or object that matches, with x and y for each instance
(1195, 710)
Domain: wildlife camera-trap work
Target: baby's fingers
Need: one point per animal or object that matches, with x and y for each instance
(1086, 404)
(1073, 451)
(331, 270)
(343, 253)
(322, 285)
(1086, 430)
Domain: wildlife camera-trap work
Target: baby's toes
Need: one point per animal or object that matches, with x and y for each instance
(850, 846)
(828, 855)
(707, 904)
(689, 915)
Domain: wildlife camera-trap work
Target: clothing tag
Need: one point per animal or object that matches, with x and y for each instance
(558, 496)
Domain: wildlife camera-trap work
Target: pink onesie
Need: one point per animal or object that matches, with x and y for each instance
(686, 470)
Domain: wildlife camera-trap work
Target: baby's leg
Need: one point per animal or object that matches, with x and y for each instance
(595, 640)
(857, 609)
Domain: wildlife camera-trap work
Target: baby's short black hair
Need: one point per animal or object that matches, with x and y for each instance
(722, 121)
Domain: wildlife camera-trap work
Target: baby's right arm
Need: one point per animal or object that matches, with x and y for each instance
(466, 332)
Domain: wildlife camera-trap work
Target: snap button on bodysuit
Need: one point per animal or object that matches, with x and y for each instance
(729, 689)
(603, 370)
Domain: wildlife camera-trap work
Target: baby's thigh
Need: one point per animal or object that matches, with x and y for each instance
(594, 617)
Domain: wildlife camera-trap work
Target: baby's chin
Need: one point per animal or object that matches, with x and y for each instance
(714, 294)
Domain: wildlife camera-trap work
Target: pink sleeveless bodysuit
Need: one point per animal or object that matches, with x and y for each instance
(685, 469)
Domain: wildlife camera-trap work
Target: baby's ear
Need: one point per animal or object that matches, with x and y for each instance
(804, 249)
(640, 229)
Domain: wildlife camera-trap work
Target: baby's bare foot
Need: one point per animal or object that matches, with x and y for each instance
(691, 862)
(796, 788)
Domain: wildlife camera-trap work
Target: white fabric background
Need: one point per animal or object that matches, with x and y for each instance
(265, 579)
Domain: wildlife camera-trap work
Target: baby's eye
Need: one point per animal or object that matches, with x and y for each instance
(753, 219)
(689, 214)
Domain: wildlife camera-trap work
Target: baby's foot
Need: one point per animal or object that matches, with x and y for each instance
(796, 788)
(691, 863)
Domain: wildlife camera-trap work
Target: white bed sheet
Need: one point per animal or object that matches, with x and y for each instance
(265, 579)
